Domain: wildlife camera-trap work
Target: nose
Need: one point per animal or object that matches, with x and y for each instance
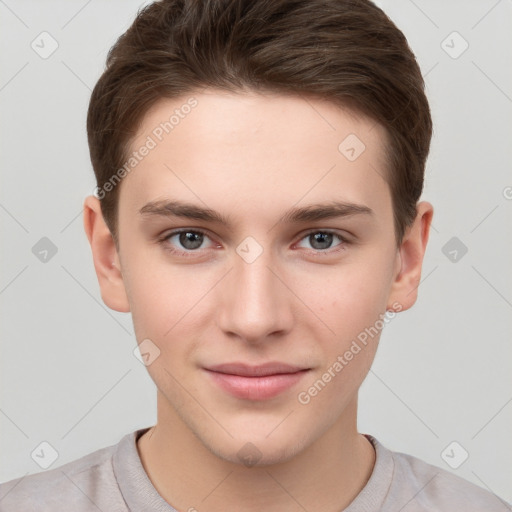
(255, 302)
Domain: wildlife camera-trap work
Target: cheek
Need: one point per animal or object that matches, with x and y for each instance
(168, 305)
(161, 305)
(353, 307)
(150, 304)
(158, 291)
(354, 299)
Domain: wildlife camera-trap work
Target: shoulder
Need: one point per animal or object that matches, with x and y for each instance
(83, 483)
(420, 486)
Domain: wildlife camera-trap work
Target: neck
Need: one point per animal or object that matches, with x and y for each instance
(326, 476)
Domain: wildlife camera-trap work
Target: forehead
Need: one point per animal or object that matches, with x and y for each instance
(256, 148)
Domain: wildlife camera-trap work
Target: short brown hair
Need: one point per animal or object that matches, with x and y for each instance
(344, 51)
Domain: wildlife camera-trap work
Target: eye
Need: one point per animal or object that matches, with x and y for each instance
(185, 241)
(322, 240)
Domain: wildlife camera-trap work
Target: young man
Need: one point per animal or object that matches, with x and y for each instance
(259, 166)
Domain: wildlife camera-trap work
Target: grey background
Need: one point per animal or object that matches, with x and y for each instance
(443, 369)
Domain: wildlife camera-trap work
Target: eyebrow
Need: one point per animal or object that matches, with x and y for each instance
(313, 212)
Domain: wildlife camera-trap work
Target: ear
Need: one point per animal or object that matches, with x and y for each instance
(105, 256)
(404, 291)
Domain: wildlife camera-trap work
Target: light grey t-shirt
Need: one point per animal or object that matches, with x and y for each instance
(113, 479)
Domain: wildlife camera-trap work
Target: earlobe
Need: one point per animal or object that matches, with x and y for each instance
(404, 290)
(105, 257)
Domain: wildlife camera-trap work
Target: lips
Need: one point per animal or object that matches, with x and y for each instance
(259, 382)
(262, 370)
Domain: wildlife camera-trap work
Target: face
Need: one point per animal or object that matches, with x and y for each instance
(257, 248)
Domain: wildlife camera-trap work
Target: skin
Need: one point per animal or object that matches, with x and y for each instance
(251, 157)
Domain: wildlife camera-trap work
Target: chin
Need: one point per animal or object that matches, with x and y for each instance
(258, 449)
(259, 454)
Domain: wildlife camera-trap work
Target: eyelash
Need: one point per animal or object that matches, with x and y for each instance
(190, 253)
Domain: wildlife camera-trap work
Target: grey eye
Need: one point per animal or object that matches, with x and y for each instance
(321, 240)
(190, 239)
